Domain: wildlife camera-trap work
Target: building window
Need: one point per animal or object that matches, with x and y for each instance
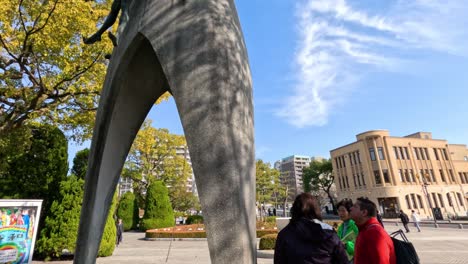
(436, 154)
(395, 150)
(423, 155)
(408, 203)
(434, 198)
(336, 162)
(378, 180)
(372, 153)
(363, 181)
(347, 182)
(386, 177)
(444, 151)
(442, 176)
(411, 175)
(414, 201)
(359, 157)
(431, 174)
(427, 154)
(358, 180)
(407, 177)
(381, 155)
(406, 153)
(339, 181)
(354, 180)
(441, 200)
(354, 157)
(402, 154)
(421, 205)
(416, 153)
(449, 199)
(460, 199)
(344, 161)
(400, 173)
(462, 177)
(452, 177)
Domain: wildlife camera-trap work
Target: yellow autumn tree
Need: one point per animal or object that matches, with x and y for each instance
(152, 158)
(47, 73)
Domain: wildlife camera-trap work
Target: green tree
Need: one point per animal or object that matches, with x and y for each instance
(158, 210)
(264, 186)
(153, 158)
(109, 236)
(47, 73)
(38, 171)
(80, 163)
(61, 224)
(319, 177)
(126, 210)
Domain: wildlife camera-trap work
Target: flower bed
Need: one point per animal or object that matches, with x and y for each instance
(191, 231)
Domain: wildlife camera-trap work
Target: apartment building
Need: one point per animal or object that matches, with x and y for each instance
(414, 172)
(291, 172)
(183, 151)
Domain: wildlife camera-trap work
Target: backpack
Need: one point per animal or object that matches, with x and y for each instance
(404, 250)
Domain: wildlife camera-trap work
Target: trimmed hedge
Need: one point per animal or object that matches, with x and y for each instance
(109, 236)
(268, 242)
(262, 233)
(158, 209)
(194, 219)
(270, 219)
(126, 210)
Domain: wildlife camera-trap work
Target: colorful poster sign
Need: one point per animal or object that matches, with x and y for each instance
(18, 230)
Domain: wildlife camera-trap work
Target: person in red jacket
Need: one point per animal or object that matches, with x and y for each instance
(373, 244)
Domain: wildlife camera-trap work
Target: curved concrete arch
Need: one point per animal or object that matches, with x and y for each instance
(195, 50)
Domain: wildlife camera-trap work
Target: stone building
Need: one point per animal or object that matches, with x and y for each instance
(415, 172)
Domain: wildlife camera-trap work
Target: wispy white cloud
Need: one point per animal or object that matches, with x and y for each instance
(338, 43)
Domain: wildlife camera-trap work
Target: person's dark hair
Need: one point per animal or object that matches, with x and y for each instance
(366, 204)
(305, 205)
(346, 203)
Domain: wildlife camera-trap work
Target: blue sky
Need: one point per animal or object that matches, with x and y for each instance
(326, 70)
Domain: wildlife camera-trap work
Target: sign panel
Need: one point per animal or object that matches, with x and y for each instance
(18, 230)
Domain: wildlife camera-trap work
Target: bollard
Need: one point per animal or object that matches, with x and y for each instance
(460, 226)
(436, 225)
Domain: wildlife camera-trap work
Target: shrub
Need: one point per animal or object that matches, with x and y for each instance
(158, 209)
(136, 214)
(126, 210)
(261, 233)
(109, 236)
(270, 219)
(194, 219)
(61, 225)
(268, 242)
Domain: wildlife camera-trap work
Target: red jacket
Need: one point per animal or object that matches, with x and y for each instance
(373, 245)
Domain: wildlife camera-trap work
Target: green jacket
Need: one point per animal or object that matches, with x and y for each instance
(349, 238)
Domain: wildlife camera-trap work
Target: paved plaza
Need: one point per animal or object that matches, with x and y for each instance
(434, 246)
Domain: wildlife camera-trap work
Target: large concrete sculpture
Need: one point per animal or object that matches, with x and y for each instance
(195, 50)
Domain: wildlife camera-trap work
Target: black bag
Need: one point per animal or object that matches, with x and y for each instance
(404, 250)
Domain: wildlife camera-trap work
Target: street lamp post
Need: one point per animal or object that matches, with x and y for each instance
(424, 185)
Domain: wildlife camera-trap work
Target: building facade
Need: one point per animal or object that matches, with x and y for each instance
(415, 172)
(291, 172)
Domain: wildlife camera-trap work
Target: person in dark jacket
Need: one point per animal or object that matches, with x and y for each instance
(306, 240)
(405, 220)
(120, 231)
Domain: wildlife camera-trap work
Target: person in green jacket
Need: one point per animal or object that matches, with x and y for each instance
(347, 231)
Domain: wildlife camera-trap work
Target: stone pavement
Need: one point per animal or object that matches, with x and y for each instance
(434, 246)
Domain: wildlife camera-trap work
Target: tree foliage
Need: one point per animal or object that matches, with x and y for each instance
(46, 72)
(80, 163)
(319, 177)
(126, 210)
(158, 209)
(153, 158)
(266, 180)
(61, 225)
(37, 172)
